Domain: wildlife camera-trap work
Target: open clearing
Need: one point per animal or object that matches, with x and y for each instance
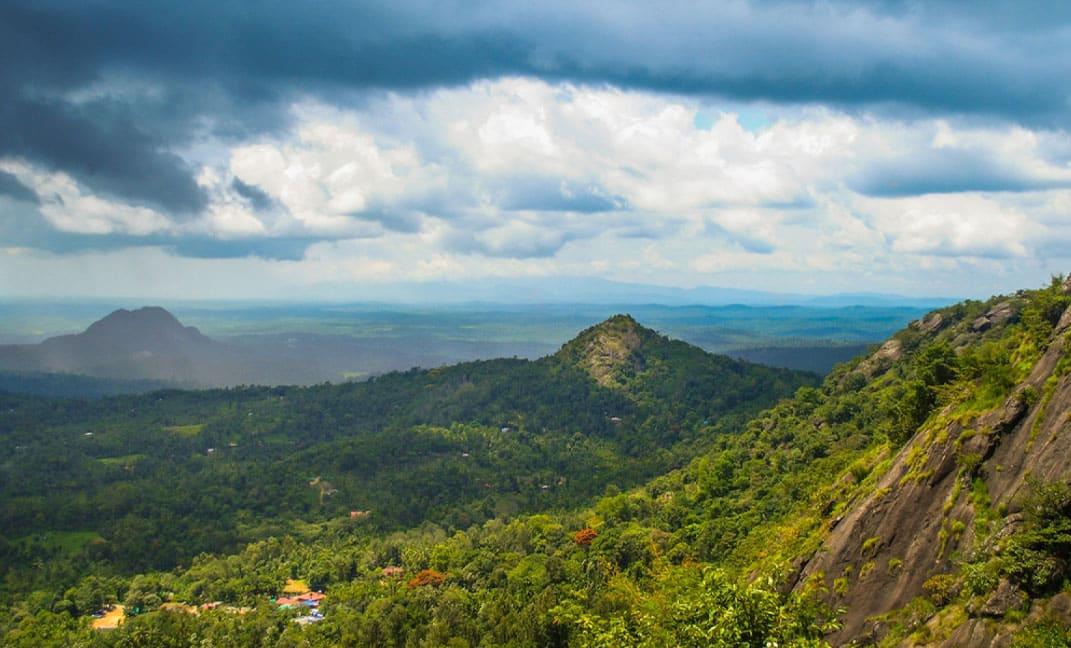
(122, 460)
(111, 620)
(185, 431)
(66, 542)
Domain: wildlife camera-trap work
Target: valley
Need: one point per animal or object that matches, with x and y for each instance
(627, 490)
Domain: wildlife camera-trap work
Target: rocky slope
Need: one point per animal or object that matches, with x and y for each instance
(955, 489)
(613, 351)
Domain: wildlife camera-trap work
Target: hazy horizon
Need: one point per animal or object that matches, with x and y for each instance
(574, 290)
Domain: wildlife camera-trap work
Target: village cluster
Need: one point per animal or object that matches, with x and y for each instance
(296, 595)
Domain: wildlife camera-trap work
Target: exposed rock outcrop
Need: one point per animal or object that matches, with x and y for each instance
(877, 558)
(882, 359)
(932, 323)
(999, 315)
(610, 352)
(1065, 321)
(1008, 597)
(984, 632)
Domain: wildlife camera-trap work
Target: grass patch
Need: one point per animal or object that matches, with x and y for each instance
(185, 431)
(64, 542)
(122, 460)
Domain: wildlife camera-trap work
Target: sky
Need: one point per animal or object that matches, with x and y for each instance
(285, 150)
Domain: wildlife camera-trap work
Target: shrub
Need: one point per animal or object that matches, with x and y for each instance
(585, 536)
(981, 578)
(870, 545)
(941, 588)
(840, 586)
(1045, 635)
(427, 577)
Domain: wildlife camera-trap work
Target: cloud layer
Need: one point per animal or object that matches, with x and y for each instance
(688, 146)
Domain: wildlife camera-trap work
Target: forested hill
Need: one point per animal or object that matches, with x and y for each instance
(143, 344)
(918, 496)
(131, 483)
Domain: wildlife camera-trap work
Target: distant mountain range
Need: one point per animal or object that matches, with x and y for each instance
(148, 348)
(589, 290)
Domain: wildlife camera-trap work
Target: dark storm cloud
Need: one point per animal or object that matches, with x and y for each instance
(111, 91)
(99, 144)
(943, 56)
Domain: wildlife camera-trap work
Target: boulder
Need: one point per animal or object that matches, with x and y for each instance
(889, 353)
(1000, 314)
(1007, 597)
(977, 633)
(1009, 415)
(931, 323)
(1059, 608)
(1012, 524)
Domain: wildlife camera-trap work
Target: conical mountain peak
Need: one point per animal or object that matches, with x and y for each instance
(610, 350)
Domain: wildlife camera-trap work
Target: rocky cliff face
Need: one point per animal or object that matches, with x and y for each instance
(956, 484)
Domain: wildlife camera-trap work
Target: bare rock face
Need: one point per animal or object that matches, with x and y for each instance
(1010, 413)
(1065, 321)
(931, 323)
(1012, 524)
(882, 359)
(918, 518)
(1000, 314)
(977, 633)
(1067, 285)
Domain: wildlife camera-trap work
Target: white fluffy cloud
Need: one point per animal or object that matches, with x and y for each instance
(68, 208)
(522, 177)
(953, 226)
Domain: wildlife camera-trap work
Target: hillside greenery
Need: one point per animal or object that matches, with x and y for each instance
(117, 486)
(707, 506)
